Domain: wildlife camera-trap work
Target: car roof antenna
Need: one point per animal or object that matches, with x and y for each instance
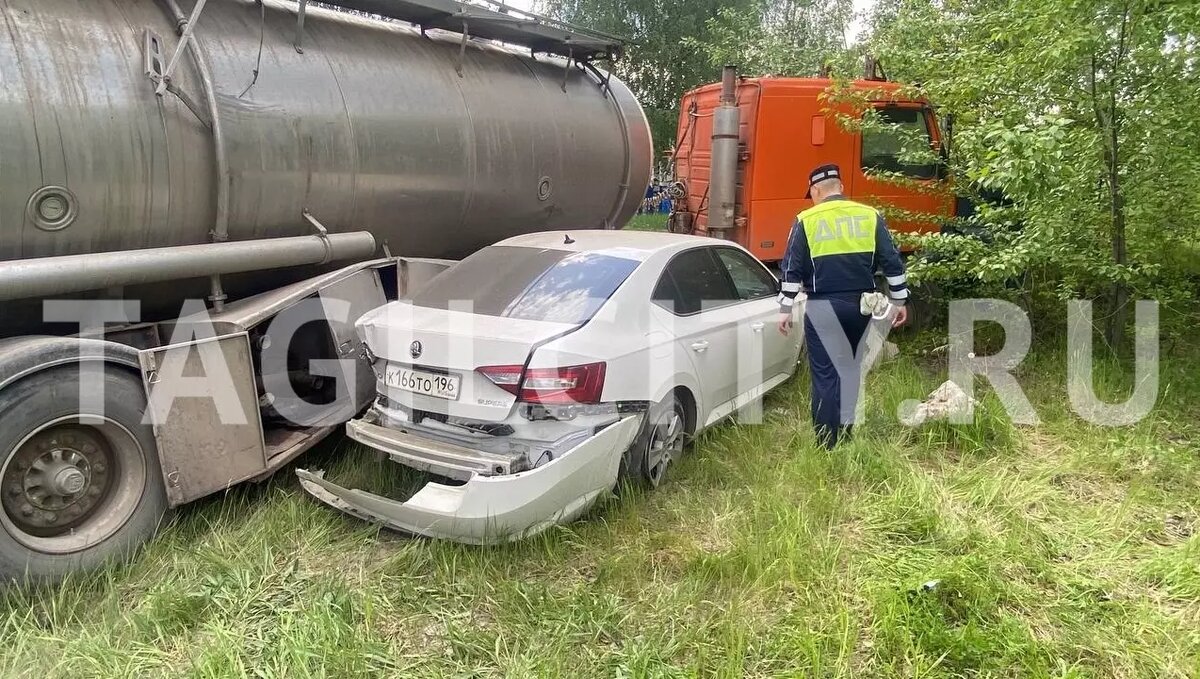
(567, 240)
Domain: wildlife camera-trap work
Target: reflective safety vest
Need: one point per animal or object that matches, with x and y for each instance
(836, 247)
(839, 227)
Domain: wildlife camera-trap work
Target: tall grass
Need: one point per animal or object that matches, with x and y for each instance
(1060, 550)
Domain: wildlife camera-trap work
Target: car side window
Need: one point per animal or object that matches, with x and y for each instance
(694, 281)
(666, 293)
(750, 278)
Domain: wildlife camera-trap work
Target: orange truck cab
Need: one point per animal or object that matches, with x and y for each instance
(745, 146)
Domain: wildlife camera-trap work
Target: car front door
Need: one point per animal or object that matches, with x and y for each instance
(764, 354)
(697, 305)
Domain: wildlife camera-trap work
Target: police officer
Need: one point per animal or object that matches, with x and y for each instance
(833, 252)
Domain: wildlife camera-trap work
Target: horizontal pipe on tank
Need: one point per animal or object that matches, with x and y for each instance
(46, 276)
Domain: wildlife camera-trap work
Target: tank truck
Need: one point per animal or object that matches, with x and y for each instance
(198, 198)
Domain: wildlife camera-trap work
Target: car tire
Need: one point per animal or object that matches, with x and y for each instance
(77, 489)
(658, 446)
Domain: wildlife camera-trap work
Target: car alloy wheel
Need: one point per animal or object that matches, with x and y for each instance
(665, 442)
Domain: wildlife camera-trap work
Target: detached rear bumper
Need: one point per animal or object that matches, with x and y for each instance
(428, 454)
(495, 509)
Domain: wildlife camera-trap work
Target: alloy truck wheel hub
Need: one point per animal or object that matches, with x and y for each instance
(666, 444)
(65, 486)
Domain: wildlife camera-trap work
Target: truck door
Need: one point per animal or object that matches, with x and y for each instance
(906, 126)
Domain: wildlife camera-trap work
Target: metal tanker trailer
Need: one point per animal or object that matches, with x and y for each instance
(230, 153)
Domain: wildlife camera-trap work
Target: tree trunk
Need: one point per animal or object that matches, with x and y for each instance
(1118, 315)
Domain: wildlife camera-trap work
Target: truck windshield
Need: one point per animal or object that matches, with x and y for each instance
(528, 283)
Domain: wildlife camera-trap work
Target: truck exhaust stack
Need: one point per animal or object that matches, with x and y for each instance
(726, 131)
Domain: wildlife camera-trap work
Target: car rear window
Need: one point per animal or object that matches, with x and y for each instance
(528, 283)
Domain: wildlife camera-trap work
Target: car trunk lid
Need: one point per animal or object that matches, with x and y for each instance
(452, 344)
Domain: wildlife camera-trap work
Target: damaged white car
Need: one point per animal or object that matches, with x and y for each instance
(536, 372)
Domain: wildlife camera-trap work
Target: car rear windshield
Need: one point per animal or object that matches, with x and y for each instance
(528, 283)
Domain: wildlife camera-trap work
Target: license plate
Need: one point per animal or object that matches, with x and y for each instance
(436, 385)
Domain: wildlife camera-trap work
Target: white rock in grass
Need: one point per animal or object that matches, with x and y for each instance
(944, 403)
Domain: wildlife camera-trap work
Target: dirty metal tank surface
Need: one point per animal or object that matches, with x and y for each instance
(370, 128)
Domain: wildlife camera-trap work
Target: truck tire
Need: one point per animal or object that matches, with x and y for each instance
(76, 489)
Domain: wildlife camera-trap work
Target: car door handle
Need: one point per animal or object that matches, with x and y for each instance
(700, 347)
(757, 327)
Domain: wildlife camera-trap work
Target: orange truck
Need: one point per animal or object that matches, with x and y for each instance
(745, 146)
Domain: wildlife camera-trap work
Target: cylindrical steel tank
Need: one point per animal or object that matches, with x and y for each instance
(371, 128)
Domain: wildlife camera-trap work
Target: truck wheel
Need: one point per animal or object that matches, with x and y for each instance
(76, 489)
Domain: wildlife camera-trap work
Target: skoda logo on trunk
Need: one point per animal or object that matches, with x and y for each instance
(415, 349)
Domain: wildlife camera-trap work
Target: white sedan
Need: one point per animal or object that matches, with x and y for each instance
(535, 373)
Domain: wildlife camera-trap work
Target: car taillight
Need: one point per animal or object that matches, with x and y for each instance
(576, 384)
(507, 377)
(552, 386)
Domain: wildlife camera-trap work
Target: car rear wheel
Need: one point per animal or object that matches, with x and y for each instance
(659, 446)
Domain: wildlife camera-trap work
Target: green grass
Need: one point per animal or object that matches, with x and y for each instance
(1061, 550)
(653, 222)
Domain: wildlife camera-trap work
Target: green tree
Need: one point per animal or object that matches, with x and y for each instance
(659, 66)
(1083, 112)
(781, 37)
(677, 45)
